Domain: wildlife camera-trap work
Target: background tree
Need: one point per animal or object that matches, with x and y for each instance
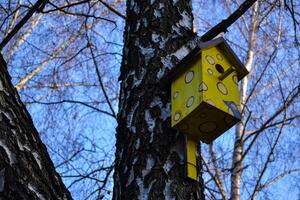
(259, 157)
(84, 163)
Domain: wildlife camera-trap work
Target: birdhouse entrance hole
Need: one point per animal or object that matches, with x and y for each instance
(219, 68)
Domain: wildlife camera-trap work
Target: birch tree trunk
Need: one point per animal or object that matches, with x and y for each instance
(26, 171)
(237, 162)
(149, 154)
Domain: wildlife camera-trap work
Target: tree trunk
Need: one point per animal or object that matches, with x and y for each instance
(149, 153)
(237, 162)
(26, 171)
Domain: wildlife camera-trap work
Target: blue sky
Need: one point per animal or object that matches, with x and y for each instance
(64, 124)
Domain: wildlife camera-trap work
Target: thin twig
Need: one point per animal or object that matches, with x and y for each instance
(217, 172)
(100, 78)
(214, 178)
(257, 185)
(72, 101)
(289, 100)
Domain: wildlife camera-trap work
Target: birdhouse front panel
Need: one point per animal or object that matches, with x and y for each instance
(223, 94)
(205, 96)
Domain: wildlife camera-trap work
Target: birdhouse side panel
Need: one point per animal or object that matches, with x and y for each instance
(223, 94)
(185, 91)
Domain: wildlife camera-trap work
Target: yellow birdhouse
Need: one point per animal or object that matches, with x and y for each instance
(205, 95)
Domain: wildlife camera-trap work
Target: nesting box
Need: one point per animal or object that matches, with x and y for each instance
(205, 95)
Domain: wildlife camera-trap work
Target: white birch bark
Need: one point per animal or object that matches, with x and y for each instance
(237, 163)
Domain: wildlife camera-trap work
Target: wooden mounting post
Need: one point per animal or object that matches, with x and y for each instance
(191, 163)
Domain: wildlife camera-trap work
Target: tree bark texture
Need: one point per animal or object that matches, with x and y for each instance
(26, 170)
(149, 153)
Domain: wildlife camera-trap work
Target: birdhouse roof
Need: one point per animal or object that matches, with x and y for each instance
(223, 46)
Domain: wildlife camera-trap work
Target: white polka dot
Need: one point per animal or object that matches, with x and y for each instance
(222, 88)
(235, 79)
(189, 76)
(175, 95)
(202, 87)
(210, 71)
(177, 116)
(190, 102)
(210, 60)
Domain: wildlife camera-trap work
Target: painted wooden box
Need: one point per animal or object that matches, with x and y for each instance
(205, 94)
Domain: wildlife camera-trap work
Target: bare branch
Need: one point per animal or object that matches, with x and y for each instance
(290, 99)
(35, 21)
(28, 77)
(216, 169)
(272, 56)
(15, 17)
(278, 177)
(225, 24)
(218, 184)
(258, 182)
(100, 77)
(69, 159)
(72, 101)
(113, 10)
(242, 17)
(68, 5)
(86, 15)
(32, 10)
